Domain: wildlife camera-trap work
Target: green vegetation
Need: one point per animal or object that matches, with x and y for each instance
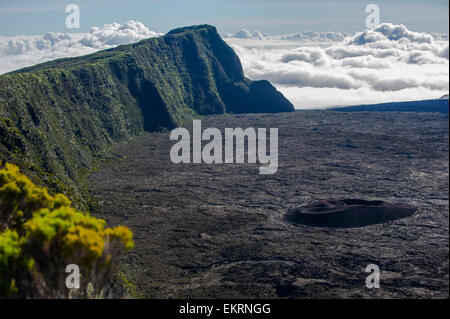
(41, 234)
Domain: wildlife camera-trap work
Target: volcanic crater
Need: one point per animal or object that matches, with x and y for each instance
(348, 213)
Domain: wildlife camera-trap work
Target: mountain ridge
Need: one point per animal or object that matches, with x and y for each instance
(433, 105)
(60, 115)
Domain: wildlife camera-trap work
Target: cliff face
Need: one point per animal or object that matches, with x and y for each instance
(55, 117)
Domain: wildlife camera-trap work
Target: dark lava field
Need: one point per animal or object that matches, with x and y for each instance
(218, 230)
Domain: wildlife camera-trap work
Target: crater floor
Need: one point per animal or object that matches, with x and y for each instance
(210, 231)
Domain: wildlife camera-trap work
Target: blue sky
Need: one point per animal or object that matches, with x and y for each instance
(282, 16)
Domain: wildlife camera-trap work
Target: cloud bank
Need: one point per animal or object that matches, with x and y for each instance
(21, 51)
(312, 69)
(387, 63)
(298, 36)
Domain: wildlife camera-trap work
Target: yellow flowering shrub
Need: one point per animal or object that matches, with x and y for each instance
(18, 195)
(42, 234)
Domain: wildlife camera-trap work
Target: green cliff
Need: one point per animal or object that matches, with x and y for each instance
(57, 117)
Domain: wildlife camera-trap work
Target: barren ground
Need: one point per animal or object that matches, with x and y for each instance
(218, 230)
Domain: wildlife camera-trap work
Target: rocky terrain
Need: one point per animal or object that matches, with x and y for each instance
(209, 231)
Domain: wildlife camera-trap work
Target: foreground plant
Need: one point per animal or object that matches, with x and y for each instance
(40, 235)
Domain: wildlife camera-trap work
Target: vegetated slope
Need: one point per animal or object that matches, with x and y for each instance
(439, 105)
(57, 116)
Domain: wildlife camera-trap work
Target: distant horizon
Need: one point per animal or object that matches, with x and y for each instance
(222, 33)
(24, 17)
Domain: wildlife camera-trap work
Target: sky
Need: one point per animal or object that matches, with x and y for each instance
(31, 17)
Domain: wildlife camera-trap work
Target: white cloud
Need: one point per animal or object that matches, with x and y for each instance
(444, 52)
(385, 30)
(389, 32)
(21, 51)
(245, 34)
(298, 36)
(387, 63)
